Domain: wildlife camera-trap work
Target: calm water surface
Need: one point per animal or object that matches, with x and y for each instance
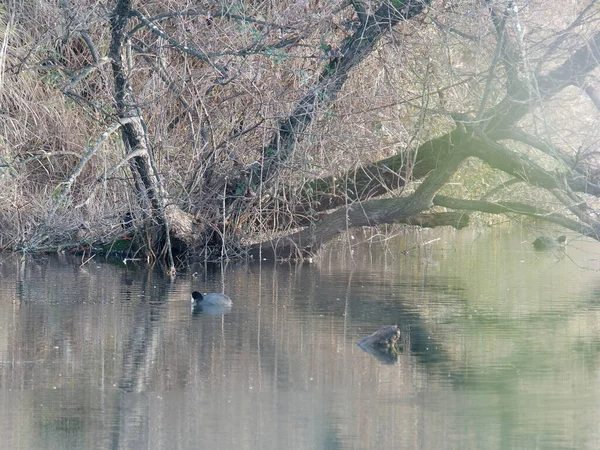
(501, 350)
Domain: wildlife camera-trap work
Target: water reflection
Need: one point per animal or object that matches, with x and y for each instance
(214, 310)
(500, 350)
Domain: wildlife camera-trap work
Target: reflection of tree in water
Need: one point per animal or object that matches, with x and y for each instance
(286, 341)
(291, 338)
(58, 337)
(140, 353)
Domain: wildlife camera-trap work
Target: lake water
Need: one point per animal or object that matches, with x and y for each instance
(501, 350)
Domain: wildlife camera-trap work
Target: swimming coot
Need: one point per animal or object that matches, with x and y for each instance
(210, 299)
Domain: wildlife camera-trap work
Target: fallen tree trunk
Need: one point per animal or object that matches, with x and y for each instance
(370, 213)
(392, 173)
(351, 192)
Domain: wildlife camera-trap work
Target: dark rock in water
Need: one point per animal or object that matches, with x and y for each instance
(384, 344)
(549, 243)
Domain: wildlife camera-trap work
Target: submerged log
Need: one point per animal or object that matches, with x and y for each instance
(386, 337)
(384, 344)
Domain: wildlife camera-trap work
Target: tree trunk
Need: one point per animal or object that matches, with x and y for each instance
(171, 222)
(333, 76)
(370, 213)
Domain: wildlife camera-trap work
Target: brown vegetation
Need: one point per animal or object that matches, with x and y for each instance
(267, 128)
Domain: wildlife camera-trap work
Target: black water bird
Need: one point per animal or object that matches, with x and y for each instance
(213, 299)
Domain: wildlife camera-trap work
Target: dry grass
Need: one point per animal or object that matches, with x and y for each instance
(205, 126)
